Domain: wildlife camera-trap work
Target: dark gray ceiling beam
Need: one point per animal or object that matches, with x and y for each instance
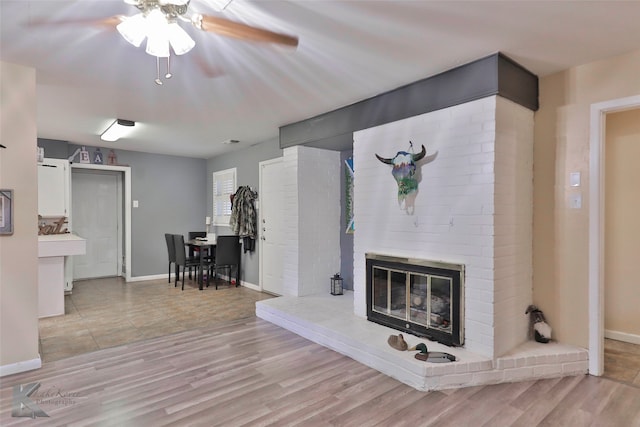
(493, 75)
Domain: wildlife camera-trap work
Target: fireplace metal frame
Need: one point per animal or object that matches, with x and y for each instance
(420, 266)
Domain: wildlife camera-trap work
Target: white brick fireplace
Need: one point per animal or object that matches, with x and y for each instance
(474, 208)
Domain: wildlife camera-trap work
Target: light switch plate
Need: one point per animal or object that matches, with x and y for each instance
(574, 179)
(135, 203)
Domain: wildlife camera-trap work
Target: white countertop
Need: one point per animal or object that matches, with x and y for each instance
(51, 245)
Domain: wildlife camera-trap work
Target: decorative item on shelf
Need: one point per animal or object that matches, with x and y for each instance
(112, 159)
(97, 157)
(84, 155)
(52, 225)
(336, 284)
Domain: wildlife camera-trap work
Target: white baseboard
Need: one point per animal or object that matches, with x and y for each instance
(152, 277)
(164, 276)
(250, 286)
(16, 368)
(622, 336)
(242, 282)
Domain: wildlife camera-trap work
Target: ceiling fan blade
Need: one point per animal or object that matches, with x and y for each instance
(111, 21)
(237, 30)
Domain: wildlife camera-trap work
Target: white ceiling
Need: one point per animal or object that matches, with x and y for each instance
(87, 75)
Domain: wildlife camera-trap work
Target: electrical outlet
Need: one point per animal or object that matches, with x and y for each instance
(575, 201)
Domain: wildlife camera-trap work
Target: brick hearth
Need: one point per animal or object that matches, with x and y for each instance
(329, 320)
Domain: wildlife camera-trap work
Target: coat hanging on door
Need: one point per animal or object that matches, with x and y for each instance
(243, 216)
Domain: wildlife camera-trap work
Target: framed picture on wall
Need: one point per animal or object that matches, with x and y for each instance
(6, 211)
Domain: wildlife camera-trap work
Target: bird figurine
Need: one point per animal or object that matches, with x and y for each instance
(432, 356)
(397, 342)
(539, 329)
(422, 347)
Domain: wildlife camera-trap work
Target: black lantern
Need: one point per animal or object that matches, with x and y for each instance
(336, 284)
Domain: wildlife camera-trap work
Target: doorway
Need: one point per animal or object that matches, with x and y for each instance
(597, 225)
(124, 198)
(97, 215)
(272, 227)
(621, 247)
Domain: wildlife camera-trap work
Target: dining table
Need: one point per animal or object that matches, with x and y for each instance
(206, 247)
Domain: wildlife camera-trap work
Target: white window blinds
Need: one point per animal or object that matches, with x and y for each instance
(224, 185)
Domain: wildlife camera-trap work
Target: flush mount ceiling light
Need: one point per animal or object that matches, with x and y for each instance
(117, 130)
(159, 23)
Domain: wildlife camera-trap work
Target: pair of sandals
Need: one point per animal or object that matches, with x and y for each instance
(398, 342)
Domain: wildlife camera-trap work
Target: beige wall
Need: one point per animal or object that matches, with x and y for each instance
(622, 228)
(19, 252)
(561, 146)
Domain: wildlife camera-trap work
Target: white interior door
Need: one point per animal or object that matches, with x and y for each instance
(271, 226)
(97, 214)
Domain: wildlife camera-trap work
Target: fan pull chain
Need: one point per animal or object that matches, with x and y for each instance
(168, 75)
(158, 81)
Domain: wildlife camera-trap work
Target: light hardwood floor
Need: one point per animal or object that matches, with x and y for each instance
(622, 361)
(103, 313)
(250, 372)
(203, 358)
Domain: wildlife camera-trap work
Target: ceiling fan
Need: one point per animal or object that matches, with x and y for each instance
(158, 23)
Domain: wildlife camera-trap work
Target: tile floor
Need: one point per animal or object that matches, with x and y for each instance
(104, 313)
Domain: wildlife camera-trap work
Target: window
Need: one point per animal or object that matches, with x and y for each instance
(224, 185)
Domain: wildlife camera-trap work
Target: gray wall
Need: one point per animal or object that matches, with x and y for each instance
(171, 191)
(247, 173)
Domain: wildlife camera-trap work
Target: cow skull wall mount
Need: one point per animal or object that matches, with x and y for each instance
(404, 171)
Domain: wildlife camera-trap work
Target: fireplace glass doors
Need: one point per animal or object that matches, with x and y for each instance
(416, 296)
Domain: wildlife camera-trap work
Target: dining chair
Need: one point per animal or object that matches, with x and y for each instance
(171, 250)
(228, 256)
(182, 260)
(195, 251)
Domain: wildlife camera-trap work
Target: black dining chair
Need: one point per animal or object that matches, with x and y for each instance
(228, 256)
(171, 250)
(182, 260)
(195, 251)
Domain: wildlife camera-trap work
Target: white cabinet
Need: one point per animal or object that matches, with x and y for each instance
(53, 188)
(54, 251)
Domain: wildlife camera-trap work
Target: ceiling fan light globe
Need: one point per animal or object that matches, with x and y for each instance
(180, 41)
(157, 34)
(158, 46)
(133, 29)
